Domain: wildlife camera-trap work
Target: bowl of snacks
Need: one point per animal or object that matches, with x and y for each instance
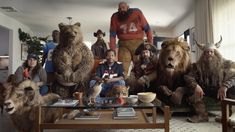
(146, 97)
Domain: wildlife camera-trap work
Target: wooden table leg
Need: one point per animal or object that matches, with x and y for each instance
(154, 115)
(167, 118)
(38, 119)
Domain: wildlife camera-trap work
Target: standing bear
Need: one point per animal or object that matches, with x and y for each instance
(72, 60)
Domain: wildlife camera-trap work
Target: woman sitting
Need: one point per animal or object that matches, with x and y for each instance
(31, 69)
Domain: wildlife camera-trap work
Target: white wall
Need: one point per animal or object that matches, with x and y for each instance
(14, 42)
(4, 43)
(186, 23)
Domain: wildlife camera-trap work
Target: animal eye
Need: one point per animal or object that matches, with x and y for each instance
(18, 95)
(177, 53)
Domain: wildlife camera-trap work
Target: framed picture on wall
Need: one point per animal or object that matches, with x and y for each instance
(24, 51)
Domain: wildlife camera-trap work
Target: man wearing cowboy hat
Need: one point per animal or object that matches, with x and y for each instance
(144, 68)
(211, 76)
(99, 47)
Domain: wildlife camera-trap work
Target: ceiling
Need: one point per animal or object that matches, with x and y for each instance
(42, 16)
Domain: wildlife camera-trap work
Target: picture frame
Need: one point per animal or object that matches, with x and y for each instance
(24, 51)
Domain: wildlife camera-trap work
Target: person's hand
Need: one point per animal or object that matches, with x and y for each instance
(106, 80)
(26, 73)
(221, 93)
(143, 66)
(199, 92)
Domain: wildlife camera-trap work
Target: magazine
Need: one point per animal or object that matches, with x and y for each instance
(116, 117)
(125, 111)
(82, 116)
(65, 103)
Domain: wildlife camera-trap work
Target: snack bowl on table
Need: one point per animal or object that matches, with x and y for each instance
(132, 99)
(146, 97)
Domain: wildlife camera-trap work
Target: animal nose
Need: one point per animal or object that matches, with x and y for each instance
(170, 58)
(7, 103)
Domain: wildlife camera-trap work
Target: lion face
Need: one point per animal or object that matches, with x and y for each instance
(174, 55)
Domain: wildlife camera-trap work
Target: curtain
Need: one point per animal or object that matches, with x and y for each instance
(203, 23)
(223, 13)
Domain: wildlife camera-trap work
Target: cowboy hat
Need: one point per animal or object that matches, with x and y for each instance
(145, 46)
(99, 32)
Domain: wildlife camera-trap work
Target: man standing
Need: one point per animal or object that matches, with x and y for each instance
(129, 25)
(211, 76)
(47, 56)
(99, 47)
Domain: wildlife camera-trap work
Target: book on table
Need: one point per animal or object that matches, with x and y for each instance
(129, 111)
(65, 103)
(125, 117)
(82, 116)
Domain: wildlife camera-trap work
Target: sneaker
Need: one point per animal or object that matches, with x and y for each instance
(197, 119)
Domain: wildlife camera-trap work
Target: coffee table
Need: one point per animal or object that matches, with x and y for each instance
(106, 106)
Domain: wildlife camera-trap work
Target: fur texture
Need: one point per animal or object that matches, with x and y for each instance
(22, 102)
(72, 59)
(174, 61)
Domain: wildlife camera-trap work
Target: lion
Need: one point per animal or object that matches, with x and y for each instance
(72, 59)
(174, 61)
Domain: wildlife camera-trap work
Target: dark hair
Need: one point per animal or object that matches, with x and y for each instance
(110, 50)
(35, 69)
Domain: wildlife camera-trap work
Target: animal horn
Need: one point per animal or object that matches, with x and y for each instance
(28, 83)
(217, 45)
(201, 46)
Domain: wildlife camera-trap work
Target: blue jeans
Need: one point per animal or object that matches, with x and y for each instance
(107, 86)
(43, 90)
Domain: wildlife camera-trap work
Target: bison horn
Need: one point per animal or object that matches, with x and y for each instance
(28, 83)
(201, 46)
(217, 45)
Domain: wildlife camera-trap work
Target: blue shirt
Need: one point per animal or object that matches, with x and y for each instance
(48, 50)
(116, 70)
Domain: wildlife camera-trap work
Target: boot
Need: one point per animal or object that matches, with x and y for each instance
(198, 118)
(177, 96)
(201, 112)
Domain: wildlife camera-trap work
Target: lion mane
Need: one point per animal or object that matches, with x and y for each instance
(174, 61)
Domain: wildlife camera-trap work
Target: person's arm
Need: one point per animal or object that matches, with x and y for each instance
(43, 77)
(113, 33)
(146, 28)
(45, 50)
(19, 75)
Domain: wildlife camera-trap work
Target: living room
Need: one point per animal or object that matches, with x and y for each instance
(201, 20)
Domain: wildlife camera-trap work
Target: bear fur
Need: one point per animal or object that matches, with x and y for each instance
(72, 59)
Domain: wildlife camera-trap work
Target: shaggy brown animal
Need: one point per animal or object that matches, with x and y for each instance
(22, 102)
(174, 61)
(4, 93)
(72, 59)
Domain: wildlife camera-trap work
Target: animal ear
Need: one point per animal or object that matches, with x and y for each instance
(187, 48)
(29, 93)
(78, 24)
(164, 45)
(61, 25)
